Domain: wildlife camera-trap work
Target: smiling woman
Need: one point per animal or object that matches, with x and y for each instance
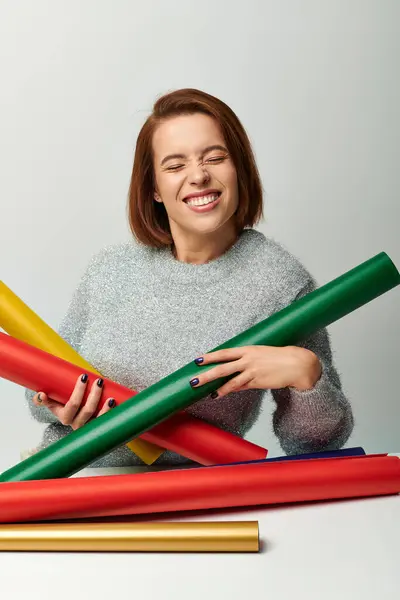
(202, 180)
(195, 274)
(193, 146)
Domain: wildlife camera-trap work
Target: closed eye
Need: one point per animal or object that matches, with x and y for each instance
(216, 159)
(174, 167)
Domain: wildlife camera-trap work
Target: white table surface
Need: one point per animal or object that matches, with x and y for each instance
(343, 550)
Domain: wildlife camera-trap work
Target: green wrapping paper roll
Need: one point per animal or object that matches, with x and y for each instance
(289, 326)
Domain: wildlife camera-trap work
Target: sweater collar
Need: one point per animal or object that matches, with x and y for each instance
(178, 272)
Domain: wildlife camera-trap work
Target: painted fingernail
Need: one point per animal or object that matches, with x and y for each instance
(100, 382)
(214, 395)
(194, 382)
(84, 378)
(199, 360)
(39, 398)
(111, 402)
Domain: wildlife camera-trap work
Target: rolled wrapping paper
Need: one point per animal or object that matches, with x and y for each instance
(293, 324)
(201, 488)
(184, 434)
(342, 453)
(229, 536)
(21, 322)
(191, 437)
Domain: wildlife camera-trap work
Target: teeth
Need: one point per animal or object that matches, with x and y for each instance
(202, 200)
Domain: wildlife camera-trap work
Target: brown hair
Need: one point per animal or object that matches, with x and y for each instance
(148, 219)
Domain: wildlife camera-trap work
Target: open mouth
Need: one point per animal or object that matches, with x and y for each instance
(199, 202)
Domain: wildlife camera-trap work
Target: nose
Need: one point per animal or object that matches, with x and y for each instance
(198, 174)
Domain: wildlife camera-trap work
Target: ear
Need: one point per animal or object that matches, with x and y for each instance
(157, 197)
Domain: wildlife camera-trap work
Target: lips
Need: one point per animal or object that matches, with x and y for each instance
(210, 192)
(203, 204)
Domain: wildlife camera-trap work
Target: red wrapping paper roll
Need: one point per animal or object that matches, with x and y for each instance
(199, 488)
(193, 438)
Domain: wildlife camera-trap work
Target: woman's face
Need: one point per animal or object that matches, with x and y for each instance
(195, 177)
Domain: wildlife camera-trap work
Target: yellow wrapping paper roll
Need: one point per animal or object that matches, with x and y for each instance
(229, 536)
(22, 323)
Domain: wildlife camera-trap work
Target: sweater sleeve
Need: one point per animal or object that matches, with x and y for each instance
(317, 419)
(71, 329)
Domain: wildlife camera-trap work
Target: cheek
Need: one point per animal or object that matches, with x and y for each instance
(231, 182)
(168, 185)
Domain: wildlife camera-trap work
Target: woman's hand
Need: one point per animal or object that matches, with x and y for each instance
(73, 413)
(261, 367)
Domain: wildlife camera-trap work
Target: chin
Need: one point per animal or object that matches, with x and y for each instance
(210, 230)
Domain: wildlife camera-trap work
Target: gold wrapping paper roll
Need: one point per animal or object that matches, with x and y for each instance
(22, 323)
(228, 536)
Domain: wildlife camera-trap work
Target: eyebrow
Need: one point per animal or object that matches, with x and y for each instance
(208, 149)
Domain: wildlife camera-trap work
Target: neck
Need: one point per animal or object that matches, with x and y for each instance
(203, 248)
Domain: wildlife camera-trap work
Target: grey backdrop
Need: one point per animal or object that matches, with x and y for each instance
(314, 82)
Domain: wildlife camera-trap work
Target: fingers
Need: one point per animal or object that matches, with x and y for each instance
(236, 384)
(222, 355)
(108, 405)
(39, 398)
(73, 413)
(84, 414)
(73, 405)
(223, 370)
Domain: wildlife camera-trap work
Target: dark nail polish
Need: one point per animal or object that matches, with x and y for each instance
(111, 402)
(39, 398)
(100, 382)
(194, 382)
(198, 361)
(84, 378)
(214, 395)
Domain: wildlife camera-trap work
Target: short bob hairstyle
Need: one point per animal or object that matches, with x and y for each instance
(147, 218)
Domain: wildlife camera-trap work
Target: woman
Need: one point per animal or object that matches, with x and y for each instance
(196, 274)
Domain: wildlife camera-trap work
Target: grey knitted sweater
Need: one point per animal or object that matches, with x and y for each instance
(139, 314)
